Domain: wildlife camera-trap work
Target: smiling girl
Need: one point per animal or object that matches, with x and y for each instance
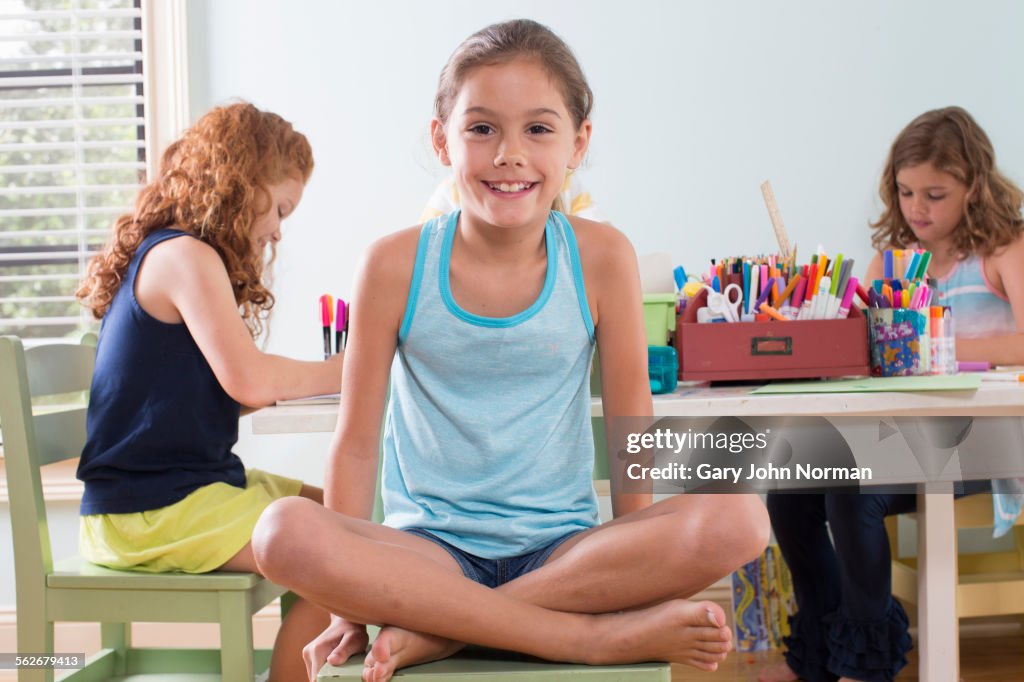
(485, 321)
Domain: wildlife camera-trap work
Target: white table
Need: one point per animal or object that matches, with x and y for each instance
(937, 578)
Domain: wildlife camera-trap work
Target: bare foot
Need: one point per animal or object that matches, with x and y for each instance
(396, 648)
(777, 672)
(678, 631)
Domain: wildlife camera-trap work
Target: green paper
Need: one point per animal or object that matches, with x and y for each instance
(936, 382)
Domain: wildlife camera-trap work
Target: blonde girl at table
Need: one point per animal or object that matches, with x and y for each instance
(485, 321)
(942, 192)
(181, 291)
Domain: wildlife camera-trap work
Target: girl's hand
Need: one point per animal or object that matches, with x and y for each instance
(335, 645)
(335, 363)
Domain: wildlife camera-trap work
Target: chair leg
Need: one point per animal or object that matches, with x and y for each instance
(35, 635)
(117, 636)
(288, 600)
(1018, 536)
(236, 655)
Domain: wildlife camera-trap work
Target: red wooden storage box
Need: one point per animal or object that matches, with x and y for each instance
(748, 351)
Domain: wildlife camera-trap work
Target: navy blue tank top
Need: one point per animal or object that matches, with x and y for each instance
(159, 423)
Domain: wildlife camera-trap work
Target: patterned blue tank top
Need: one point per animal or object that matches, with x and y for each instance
(487, 439)
(978, 309)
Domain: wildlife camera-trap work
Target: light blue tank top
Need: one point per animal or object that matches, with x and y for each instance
(487, 440)
(978, 310)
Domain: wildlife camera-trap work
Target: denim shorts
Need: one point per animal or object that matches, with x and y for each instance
(494, 572)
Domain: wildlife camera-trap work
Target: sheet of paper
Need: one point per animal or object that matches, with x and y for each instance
(325, 399)
(937, 382)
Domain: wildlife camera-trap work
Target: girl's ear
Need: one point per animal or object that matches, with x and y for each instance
(580, 144)
(440, 141)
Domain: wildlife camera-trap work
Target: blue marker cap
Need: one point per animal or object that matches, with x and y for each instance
(680, 276)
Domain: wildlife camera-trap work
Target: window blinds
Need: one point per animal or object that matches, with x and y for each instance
(72, 150)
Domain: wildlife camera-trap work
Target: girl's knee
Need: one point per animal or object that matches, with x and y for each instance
(754, 526)
(280, 532)
(735, 527)
(739, 525)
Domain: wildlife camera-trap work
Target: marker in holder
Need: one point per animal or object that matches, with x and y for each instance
(943, 348)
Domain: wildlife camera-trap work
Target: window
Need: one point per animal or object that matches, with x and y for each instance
(72, 150)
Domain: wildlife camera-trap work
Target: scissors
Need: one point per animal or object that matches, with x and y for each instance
(725, 304)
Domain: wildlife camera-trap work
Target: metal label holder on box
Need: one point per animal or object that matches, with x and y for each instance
(750, 351)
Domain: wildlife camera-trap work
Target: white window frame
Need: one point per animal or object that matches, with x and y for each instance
(165, 69)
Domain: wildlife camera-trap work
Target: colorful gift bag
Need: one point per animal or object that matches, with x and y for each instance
(762, 599)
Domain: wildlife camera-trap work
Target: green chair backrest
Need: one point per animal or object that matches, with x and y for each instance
(43, 398)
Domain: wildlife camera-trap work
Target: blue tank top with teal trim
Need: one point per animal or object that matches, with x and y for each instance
(487, 439)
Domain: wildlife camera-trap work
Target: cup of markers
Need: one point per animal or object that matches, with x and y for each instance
(910, 333)
(336, 314)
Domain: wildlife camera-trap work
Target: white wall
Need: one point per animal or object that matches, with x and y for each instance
(696, 104)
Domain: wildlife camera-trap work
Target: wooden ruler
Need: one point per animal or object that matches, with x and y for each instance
(776, 217)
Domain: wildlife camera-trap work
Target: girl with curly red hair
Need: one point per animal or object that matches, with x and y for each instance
(181, 291)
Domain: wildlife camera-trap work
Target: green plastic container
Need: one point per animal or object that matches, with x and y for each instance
(659, 317)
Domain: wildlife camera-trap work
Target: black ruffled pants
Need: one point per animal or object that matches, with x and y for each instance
(848, 623)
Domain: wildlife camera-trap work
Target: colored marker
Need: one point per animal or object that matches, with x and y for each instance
(325, 322)
(773, 313)
(912, 264)
(922, 268)
(680, 277)
(837, 270)
(793, 309)
(844, 305)
(340, 325)
(967, 366)
(765, 291)
(821, 298)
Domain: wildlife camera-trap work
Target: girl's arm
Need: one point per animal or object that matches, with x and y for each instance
(1007, 349)
(382, 288)
(616, 304)
(184, 280)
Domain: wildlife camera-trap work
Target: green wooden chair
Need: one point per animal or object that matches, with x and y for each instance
(43, 394)
(477, 664)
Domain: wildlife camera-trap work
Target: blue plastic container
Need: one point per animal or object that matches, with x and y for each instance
(662, 368)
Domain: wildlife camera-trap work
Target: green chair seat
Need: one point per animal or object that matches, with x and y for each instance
(475, 664)
(77, 573)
